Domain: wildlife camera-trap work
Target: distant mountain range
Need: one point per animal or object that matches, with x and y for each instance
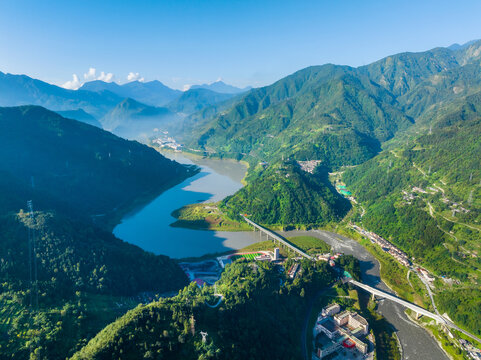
(221, 87)
(18, 90)
(152, 93)
(129, 110)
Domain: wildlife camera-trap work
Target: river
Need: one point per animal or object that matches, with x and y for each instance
(149, 227)
(417, 343)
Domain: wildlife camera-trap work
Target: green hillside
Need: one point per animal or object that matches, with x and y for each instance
(285, 195)
(90, 171)
(303, 116)
(86, 276)
(439, 226)
(246, 325)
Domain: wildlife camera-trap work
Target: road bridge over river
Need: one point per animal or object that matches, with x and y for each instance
(419, 310)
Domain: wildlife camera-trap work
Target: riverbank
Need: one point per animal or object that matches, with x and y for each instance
(110, 220)
(206, 216)
(416, 342)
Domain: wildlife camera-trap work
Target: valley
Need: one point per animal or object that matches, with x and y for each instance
(115, 195)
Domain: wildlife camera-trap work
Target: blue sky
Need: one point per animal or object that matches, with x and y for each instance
(244, 42)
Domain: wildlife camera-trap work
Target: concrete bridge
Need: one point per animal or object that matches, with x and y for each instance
(275, 237)
(419, 310)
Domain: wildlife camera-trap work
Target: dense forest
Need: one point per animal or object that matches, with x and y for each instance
(78, 167)
(286, 195)
(439, 224)
(86, 277)
(260, 316)
(338, 115)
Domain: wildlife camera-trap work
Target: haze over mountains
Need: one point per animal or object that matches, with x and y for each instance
(97, 102)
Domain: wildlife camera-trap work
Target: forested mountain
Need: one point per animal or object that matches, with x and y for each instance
(302, 115)
(369, 105)
(194, 100)
(130, 118)
(152, 93)
(285, 195)
(246, 325)
(85, 167)
(438, 225)
(18, 90)
(80, 179)
(221, 87)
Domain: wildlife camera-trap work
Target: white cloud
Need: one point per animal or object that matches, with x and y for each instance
(106, 77)
(73, 84)
(134, 77)
(90, 75)
(187, 87)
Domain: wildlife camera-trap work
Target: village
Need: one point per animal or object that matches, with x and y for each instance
(167, 142)
(385, 245)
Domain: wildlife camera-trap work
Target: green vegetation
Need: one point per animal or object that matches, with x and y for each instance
(86, 276)
(285, 195)
(310, 244)
(462, 305)
(206, 217)
(76, 168)
(254, 305)
(431, 225)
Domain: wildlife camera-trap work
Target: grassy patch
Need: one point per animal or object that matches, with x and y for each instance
(310, 244)
(206, 217)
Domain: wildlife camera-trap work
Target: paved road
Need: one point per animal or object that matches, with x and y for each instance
(416, 342)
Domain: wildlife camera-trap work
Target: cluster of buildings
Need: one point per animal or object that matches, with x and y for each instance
(309, 165)
(426, 275)
(473, 352)
(293, 270)
(335, 330)
(330, 258)
(398, 254)
(166, 141)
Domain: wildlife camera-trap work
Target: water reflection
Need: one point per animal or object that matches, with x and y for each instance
(149, 227)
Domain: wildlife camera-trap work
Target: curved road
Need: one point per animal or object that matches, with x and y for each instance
(416, 342)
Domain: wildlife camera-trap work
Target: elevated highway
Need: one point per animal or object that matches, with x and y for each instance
(419, 310)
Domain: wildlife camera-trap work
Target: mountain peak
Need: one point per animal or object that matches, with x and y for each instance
(220, 86)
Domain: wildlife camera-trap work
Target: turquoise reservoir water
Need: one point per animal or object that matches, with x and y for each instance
(149, 227)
